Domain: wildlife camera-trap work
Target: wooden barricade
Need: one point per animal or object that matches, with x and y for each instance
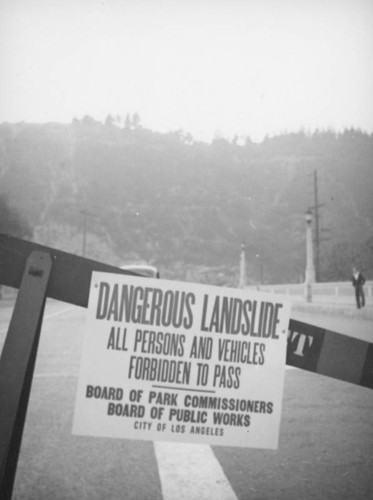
(40, 272)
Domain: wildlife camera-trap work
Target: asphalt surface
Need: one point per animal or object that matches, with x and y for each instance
(352, 326)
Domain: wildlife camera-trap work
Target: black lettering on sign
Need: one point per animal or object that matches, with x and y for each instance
(146, 305)
(98, 392)
(304, 345)
(117, 339)
(234, 316)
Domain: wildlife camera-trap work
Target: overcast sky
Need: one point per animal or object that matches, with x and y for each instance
(209, 67)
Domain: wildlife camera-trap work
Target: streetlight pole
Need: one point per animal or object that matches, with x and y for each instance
(310, 268)
(242, 282)
(260, 265)
(85, 213)
(84, 234)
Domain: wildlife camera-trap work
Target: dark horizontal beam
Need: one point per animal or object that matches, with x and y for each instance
(329, 353)
(71, 275)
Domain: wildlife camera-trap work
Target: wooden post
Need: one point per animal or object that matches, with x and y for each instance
(18, 361)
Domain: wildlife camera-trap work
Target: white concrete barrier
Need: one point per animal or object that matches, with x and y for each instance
(7, 292)
(341, 292)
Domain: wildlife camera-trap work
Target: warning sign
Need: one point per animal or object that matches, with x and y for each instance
(172, 361)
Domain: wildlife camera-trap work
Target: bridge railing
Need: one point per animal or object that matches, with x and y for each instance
(341, 292)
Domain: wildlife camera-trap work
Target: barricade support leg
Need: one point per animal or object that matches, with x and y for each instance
(17, 363)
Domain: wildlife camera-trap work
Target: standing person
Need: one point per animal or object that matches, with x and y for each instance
(358, 281)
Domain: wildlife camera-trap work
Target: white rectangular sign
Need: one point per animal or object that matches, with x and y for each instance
(173, 361)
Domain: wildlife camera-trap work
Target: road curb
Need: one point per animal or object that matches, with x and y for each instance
(365, 313)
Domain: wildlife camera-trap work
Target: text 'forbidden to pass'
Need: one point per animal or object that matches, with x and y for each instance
(173, 361)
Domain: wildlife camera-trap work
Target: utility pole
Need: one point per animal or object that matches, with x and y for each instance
(317, 234)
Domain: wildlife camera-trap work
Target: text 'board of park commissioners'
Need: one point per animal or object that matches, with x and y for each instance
(170, 361)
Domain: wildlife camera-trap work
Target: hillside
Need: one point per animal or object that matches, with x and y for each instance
(121, 193)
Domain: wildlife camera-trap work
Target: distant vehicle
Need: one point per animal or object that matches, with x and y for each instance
(143, 269)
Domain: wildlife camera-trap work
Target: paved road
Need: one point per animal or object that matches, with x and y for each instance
(325, 450)
(352, 326)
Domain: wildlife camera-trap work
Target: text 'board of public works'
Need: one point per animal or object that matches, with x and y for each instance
(172, 361)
